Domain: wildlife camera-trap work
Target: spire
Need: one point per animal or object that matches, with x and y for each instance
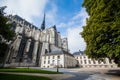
(43, 23)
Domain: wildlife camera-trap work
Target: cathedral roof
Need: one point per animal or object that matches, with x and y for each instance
(18, 18)
(25, 22)
(58, 52)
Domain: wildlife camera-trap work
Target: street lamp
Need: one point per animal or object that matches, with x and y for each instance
(57, 64)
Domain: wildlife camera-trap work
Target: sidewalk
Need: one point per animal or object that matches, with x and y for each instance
(103, 77)
(112, 71)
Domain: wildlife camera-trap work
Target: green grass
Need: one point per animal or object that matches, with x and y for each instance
(21, 77)
(26, 70)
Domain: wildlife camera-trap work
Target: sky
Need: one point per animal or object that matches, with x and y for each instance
(68, 15)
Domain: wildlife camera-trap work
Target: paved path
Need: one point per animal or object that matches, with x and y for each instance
(102, 77)
(78, 76)
(90, 73)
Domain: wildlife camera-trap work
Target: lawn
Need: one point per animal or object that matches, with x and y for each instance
(26, 70)
(21, 77)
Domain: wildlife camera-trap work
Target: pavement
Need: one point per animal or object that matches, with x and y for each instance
(77, 74)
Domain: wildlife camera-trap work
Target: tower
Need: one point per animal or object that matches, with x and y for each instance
(43, 23)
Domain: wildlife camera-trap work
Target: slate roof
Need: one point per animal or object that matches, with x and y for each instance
(78, 53)
(25, 22)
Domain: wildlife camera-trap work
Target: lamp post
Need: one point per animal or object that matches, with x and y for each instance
(57, 66)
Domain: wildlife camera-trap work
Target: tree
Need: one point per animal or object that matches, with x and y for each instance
(6, 34)
(102, 31)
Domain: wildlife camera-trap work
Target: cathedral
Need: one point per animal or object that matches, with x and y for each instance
(44, 48)
(31, 43)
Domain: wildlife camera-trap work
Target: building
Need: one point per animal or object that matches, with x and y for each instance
(32, 45)
(86, 62)
(58, 59)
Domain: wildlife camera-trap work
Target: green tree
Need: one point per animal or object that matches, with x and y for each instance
(6, 34)
(102, 32)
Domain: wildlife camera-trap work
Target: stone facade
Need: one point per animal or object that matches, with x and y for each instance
(31, 43)
(86, 62)
(61, 59)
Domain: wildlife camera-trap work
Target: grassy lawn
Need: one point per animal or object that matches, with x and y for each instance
(21, 77)
(26, 70)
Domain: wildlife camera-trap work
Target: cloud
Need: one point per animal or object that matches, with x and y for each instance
(81, 17)
(25, 8)
(75, 40)
(80, 14)
(78, 19)
(74, 27)
(51, 14)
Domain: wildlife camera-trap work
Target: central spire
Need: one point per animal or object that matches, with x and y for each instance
(43, 23)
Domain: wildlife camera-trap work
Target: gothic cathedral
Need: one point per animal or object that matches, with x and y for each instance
(31, 42)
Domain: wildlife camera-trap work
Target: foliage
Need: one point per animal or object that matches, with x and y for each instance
(6, 34)
(5, 28)
(102, 32)
(21, 77)
(26, 70)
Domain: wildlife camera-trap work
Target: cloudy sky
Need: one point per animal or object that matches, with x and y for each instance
(68, 15)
